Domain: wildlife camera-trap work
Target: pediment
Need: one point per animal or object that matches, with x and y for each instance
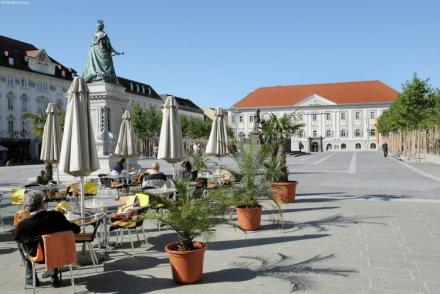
(315, 100)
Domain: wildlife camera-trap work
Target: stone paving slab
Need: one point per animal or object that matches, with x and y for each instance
(319, 250)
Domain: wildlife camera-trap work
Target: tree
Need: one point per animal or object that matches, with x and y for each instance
(38, 120)
(418, 106)
(146, 122)
(195, 128)
(275, 131)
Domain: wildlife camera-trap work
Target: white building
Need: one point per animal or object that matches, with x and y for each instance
(336, 116)
(29, 80)
(186, 107)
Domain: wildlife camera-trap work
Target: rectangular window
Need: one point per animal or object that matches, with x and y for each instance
(328, 133)
(327, 116)
(343, 116)
(11, 60)
(240, 119)
(233, 119)
(301, 133)
(314, 116)
(372, 132)
(10, 103)
(373, 114)
(23, 127)
(315, 133)
(357, 115)
(357, 133)
(10, 125)
(251, 118)
(10, 81)
(343, 133)
(23, 83)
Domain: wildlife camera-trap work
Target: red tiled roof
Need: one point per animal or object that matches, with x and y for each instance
(340, 93)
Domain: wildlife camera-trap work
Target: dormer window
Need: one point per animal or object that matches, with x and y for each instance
(143, 90)
(11, 60)
(63, 73)
(131, 86)
(137, 88)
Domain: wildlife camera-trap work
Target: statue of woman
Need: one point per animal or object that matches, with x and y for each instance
(99, 64)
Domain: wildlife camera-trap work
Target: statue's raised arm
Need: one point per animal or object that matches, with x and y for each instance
(99, 64)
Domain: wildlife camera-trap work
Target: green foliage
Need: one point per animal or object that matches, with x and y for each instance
(190, 218)
(275, 131)
(39, 119)
(195, 128)
(198, 161)
(146, 122)
(253, 186)
(418, 106)
(275, 170)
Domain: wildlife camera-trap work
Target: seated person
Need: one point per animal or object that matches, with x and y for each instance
(118, 167)
(187, 172)
(154, 178)
(40, 222)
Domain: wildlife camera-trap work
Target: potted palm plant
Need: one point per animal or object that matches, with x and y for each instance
(252, 187)
(190, 218)
(275, 133)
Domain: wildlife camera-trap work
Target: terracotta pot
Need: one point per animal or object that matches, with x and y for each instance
(186, 266)
(249, 219)
(284, 192)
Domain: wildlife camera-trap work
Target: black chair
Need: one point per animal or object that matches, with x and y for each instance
(88, 238)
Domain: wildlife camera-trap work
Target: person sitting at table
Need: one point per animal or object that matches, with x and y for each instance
(118, 167)
(40, 222)
(187, 172)
(154, 178)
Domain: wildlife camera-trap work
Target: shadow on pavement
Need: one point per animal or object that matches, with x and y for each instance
(293, 272)
(159, 242)
(288, 210)
(233, 244)
(7, 250)
(321, 225)
(133, 263)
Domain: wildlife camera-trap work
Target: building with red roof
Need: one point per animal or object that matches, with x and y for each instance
(336, 116)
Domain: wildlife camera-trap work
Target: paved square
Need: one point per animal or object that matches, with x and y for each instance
(362, 225)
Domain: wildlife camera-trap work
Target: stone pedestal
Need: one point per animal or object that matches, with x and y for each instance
(107, 104)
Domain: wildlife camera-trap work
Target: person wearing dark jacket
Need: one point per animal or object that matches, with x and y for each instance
(385, 149)
(40, 222)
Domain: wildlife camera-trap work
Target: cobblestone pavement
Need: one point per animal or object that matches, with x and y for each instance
(361, 224)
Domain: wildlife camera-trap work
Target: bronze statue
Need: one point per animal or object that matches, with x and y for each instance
(99, 64)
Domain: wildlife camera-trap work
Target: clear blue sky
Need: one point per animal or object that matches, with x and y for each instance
(215, 52)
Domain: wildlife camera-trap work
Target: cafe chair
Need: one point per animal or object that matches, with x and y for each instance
(88, 238)
(52, 257)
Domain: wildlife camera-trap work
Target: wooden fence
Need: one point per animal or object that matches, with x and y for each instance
(415, 144)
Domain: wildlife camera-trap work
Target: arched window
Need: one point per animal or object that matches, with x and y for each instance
(358, 146)
(373, 146)
(24, 103)
(343, 146)
(328, 147)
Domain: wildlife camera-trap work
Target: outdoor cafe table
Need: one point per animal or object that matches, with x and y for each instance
(102, 204)
(161, 191)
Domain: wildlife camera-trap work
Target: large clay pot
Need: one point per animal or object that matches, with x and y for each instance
(284, 192)
(249, 219)
(186, 266)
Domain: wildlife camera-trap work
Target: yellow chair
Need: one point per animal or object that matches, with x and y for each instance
(17, 197)
(90, 188)
(63, 207)
(144, 199)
